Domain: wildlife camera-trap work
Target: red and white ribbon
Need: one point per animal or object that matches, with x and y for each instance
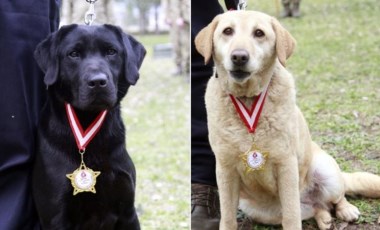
(251, 116)
(83, 138)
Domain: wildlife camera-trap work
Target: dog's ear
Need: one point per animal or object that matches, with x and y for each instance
(46, 54)
(47, 59)
(134, 53)
(204, 40)
(285, 43)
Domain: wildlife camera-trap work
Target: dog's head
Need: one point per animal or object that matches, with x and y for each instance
(245, 46)
(90, 67)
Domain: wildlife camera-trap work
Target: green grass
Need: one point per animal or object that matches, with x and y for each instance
(156, 113)
(337, 70)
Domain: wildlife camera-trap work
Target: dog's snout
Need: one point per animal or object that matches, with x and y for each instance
(239, 57)
(97, 81)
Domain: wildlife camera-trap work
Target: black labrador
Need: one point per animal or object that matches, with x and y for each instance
(90, 68)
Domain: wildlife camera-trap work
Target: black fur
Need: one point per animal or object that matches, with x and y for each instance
(73, 58)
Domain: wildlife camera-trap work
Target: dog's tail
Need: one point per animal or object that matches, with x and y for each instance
(362, 183)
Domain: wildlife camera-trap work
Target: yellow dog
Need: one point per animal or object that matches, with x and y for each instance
(298, 180)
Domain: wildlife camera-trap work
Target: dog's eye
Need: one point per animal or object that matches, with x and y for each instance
(111, 51)
(228, 31)
(74, 54)
(259, 33)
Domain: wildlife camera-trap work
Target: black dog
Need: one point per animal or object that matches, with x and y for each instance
(91, 69)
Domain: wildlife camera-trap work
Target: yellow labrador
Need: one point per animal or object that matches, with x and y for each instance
(298, 180)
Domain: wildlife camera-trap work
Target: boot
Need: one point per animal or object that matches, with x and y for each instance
(296, 10)
(205, 211)
(287, 11)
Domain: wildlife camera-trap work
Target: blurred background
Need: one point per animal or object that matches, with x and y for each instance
(156, 110)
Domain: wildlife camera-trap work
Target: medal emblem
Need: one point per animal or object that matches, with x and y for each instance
(83, 179)
(254, 159)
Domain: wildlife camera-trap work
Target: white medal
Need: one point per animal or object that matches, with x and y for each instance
(83, 179)
(254, 159)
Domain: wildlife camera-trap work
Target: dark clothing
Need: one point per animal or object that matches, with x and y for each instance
(231, 4)
(23, 24)
(202, 157)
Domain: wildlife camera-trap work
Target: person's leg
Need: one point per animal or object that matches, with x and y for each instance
(204, 195)
(23, 24)
(296, 8)
(205, 213)
(185, 49)
(287, 12)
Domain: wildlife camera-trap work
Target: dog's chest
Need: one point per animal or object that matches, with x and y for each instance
(235, 140)
(258, 181)
(231, 125)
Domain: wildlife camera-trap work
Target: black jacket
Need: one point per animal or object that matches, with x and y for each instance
(23, 24)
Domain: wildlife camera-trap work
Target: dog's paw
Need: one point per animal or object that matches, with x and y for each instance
(348, 212)
(323, 219)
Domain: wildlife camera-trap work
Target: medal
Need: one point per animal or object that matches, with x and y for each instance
(83, 179)
(253, 159)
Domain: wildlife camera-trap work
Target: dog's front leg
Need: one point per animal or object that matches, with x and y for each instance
(228, 184)
(288, 185)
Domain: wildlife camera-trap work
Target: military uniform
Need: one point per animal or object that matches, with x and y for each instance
(291, 8)
(177, 14)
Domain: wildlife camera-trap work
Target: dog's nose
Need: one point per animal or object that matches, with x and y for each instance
(239, 57)
(97, 80)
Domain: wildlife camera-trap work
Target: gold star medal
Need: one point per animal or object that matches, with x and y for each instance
(254, 159)
(83, 179)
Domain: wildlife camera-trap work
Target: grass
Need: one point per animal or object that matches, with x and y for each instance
(337, 70)
(156, 113)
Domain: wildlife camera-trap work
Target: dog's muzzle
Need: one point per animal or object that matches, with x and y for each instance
(97, 81)
(239, 59)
